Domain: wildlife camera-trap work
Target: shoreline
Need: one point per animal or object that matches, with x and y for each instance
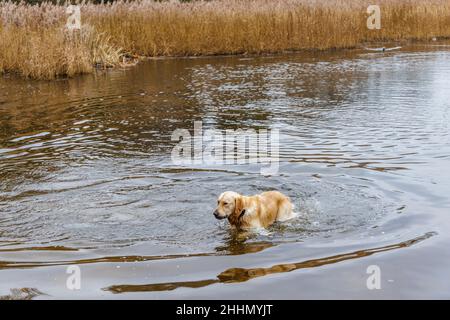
(364, 46)
(398, 45)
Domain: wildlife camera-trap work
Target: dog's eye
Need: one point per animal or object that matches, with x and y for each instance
(225, 203)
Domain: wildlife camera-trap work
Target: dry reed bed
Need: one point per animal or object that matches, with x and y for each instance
(34, 42)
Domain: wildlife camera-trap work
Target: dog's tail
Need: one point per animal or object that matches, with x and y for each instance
(286, 212)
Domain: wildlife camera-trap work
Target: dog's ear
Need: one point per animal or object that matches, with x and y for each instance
(238, 206)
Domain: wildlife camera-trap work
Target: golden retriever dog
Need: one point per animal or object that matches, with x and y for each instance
(258, 211)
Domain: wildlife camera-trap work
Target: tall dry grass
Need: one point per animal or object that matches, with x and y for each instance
(34, 43)
(256, 26)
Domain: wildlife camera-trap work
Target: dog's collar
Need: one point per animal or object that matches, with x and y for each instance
(241, 214)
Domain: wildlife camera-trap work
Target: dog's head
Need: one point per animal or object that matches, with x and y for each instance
(228, 204)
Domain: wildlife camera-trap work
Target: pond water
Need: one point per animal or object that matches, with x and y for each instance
(87, 178)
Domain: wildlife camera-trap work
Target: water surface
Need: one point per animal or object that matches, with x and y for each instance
(87, 178)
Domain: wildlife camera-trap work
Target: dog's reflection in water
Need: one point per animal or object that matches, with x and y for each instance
(240, 242)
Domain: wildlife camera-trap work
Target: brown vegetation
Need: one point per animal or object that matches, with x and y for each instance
(35, 43)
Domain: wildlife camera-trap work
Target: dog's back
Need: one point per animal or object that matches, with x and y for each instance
(278, 207)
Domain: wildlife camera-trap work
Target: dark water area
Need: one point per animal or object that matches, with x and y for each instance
(87, 178)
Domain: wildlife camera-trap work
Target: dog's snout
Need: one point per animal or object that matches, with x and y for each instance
(217, 215)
